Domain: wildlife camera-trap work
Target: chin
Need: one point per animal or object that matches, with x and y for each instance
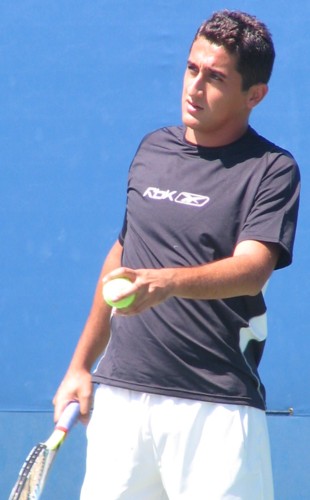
(190, 122)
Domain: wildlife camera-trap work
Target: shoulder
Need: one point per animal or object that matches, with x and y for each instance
(164, 135)
(275, 157)
(268, 147)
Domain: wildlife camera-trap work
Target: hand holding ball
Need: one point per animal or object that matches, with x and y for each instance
(115, 287)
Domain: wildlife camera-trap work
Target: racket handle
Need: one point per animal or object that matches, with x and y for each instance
(69, 416)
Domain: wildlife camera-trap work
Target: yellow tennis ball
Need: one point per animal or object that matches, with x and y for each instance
(113, 288)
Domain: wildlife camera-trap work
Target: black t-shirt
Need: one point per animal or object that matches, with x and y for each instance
(189, 205)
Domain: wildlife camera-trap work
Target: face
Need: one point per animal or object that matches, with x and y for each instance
(215, 109)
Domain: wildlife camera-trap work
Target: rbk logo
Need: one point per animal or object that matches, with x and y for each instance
(190, 199)
(194, 200)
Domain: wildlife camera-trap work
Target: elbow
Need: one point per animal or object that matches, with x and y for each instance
(254, 291)
(256, 287)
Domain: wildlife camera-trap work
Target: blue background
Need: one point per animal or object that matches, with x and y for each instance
(80, 84)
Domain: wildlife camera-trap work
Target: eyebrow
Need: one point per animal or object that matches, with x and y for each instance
(209, 70)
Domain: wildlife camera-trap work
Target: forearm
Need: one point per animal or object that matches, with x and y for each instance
(93, 340)
(227, 278)
(245, 273)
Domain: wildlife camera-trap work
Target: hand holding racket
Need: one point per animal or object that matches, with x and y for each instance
(33, 474)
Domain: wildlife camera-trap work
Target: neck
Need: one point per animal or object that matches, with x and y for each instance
(216, 138)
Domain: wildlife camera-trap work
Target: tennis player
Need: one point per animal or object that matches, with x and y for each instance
(179, 410)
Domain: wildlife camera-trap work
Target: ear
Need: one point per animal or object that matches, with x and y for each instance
(256, 94)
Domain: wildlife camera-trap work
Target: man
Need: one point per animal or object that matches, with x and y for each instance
(211, 212)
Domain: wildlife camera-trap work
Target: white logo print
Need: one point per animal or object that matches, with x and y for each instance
(190, 199)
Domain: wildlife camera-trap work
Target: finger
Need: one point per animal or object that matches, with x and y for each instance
(116, 273)
(86, 405)
(60, 405)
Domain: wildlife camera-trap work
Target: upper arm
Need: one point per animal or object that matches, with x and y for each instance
(114, 258)
(262, 255)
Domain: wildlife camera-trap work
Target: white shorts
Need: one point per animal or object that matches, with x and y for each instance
(150, 447)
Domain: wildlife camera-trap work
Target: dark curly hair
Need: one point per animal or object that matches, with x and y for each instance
(246, 37)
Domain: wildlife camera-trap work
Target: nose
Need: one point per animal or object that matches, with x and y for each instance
(195, 86)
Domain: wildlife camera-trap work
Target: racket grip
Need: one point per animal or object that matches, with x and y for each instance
(69, 416)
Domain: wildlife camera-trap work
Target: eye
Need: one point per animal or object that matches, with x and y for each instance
(192, 68)
(215, 76)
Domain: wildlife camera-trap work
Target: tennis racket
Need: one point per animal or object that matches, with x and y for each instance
(33, 474)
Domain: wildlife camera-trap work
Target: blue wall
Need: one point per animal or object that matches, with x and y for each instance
(80, 84)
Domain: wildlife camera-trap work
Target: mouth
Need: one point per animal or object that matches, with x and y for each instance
(192, 106)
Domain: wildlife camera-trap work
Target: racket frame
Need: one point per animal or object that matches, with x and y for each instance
(47, 451)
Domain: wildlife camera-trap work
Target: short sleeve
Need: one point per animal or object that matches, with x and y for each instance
(122, 233)
(273, 216)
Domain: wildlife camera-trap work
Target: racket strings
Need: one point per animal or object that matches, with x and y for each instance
(34, 471)
(33, 474)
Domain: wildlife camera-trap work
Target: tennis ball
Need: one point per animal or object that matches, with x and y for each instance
(115, 287)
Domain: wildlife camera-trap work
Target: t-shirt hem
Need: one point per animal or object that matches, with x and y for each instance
(181, 393)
